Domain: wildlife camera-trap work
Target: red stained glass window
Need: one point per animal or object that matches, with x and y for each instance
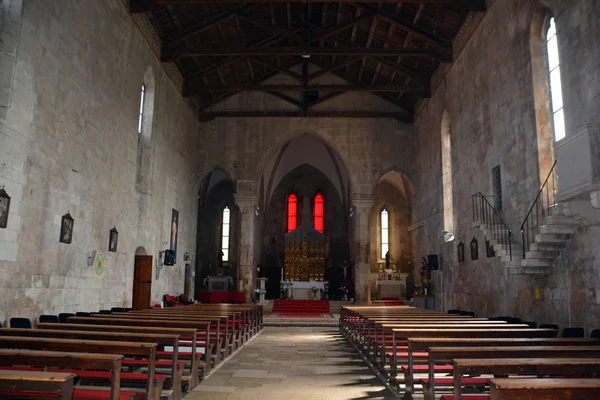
(292, 212)
(319, 212)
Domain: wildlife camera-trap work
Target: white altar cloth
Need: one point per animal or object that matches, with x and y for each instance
(302, 290)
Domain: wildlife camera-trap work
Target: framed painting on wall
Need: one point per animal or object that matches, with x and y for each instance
(66, 229)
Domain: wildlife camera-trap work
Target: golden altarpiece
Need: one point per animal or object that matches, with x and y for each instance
(304, 268)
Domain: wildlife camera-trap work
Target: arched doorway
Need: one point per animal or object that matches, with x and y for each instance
(142, 279)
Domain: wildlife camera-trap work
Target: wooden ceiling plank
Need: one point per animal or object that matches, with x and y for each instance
(323, 34)
(190, 89)
(368, 45)
(229, 60)
(170, 48)
(408, 26)
(283, 32)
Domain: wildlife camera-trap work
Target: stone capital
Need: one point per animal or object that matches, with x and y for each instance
(363, 202)
(245, 200)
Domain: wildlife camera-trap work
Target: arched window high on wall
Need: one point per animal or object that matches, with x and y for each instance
(292, 212)
(319, 212)
(556, 98)
(447, 176)
(225, 231)
(385, 232)
(144, 130)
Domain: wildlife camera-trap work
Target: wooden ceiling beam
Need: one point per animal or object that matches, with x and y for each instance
(441, 54)
(171, 47)
(339, 28)
(287, 99)
(283, 32)
(396, 88)
(397, 67)
(287, 72)
(473, 5)
(230, 60)
(210, 115)
(332, 68)
(407, 25)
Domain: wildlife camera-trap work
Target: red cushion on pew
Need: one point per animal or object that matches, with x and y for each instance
(425, 368)
(78, 394)
(181, 353)
(467, 397)
(158, 363)
(125, 376)
(405, 354)
(450, 381)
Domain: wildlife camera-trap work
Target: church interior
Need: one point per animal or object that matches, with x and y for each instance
(298, 195)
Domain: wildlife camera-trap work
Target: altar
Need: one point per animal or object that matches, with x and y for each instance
(391, 289)
(303, 290)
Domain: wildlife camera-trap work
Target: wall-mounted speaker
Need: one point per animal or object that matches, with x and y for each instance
(169, 257)
(432, 262)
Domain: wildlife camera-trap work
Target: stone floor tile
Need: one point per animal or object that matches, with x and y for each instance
(293, 363)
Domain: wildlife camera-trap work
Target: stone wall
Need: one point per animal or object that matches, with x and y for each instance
(68, 143)
(489, 96)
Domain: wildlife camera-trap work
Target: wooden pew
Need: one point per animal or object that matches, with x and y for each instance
(204, 327)
(404, 334)
(215, 334)
(69, 360)
(222, 333)
(160, 339)
(16, 384)
(192, 356)
(423, 344)
(578, 367)
(544, 389)
(147, 350)
(445, 355)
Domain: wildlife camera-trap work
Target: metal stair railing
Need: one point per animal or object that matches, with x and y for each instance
(544, 201)
(484, 212)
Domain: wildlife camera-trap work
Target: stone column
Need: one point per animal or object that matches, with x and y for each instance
(248, 243)
(362, 239)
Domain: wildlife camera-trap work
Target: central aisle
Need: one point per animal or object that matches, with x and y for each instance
(289, 363)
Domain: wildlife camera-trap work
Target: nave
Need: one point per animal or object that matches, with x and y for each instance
(306, 363)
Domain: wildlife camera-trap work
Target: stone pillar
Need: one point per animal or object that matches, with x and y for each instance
(362, 239)
(248, 243)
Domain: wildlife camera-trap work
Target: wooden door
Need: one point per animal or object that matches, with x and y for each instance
(142, 282)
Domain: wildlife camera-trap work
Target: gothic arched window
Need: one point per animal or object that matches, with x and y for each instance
(385, 232)
(319, 212)
(556, 99)
(292, 212)
(225, 233)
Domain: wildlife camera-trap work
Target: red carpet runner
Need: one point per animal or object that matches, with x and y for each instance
(301, 306)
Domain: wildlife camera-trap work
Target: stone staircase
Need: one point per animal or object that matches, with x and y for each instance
(542, 253)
